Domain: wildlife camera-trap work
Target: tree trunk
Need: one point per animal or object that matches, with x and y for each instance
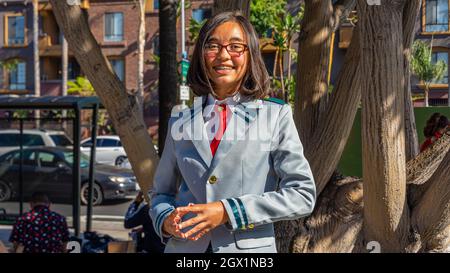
(314, 49)
(280, 63)
(335, 125)
(232, 5)
(410, 15)
(330, 133)
(386, 218)
(167, 66)
(37, 73)
(141, 47)
(427, 91)
(65, 62)
(431, 217)
(122, 107)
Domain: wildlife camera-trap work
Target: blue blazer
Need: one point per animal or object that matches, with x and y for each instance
(259, 173)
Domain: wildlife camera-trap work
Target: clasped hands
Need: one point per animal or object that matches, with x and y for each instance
(208, 216)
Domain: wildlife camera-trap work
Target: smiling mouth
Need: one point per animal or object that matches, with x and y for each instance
(223, 68)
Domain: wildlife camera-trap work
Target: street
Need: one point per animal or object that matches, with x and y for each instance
(112, 209)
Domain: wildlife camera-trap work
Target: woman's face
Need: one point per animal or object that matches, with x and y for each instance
(226, 66)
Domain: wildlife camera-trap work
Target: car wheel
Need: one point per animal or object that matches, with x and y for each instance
(97, 198)
(5, 191)
(120, 160)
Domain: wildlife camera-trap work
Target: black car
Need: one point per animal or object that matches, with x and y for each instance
(49, 170)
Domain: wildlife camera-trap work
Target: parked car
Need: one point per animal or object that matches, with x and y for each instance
(10, 139)
(109, 150)
(49, 169)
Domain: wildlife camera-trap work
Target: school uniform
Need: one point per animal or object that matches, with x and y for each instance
(257, 170)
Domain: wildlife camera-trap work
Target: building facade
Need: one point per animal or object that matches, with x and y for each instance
(433, 26)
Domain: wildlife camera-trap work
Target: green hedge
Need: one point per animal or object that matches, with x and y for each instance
(351, 161)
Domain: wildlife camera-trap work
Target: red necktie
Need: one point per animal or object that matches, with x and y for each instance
(222, 109)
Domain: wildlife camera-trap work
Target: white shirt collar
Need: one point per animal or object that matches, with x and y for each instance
(231, 101)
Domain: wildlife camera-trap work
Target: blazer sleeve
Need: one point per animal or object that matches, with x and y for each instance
(164, 187)
(296, 194)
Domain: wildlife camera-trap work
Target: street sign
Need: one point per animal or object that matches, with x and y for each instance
(184, 69)
(184, 92)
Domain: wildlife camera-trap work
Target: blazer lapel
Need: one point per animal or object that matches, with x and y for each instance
(244, 114)
(196, 131)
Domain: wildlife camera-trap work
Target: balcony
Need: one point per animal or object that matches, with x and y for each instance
(47, 48)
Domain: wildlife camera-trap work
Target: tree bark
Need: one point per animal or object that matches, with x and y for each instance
(314, 50)
(335, 125)
(337, 221)
(386, 214)
(431, 217)
(232, 5)
(36, 64)
(331, 131)
(141, 46)
(410, 15)
(65, 62)
(122, 107)
(167, 90)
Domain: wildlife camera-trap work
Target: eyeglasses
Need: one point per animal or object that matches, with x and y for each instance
(233, 49)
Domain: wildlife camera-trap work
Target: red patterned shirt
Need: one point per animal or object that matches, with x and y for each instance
(41, 231)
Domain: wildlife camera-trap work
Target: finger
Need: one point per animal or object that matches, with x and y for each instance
(201, 234)
(192, 221)
(194, 230)
(194, 208)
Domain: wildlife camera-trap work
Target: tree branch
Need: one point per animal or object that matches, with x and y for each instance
(410, 14)
(335, 125)
(336, 222)
(431, 217)
(122, 108)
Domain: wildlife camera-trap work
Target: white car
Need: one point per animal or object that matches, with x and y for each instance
(10, 139)
(109, 150)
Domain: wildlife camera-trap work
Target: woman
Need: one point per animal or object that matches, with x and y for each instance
(233, 164)
(436, 126)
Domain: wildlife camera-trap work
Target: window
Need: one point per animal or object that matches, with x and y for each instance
(61, 140)
(87, 144)
(29, 158)
(17, 76)
(109, 142)
(114, 26)
(74, 69)
(32, 140)
(15, 32)
(119, 68)
(436, 15)
(201, 14)
(441, 56)
(47, 160)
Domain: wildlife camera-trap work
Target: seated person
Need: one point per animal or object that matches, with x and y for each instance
(40, 230)
(436, 126)
(137, 215)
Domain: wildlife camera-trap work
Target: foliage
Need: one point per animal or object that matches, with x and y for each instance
(80, 86)
(423, 66)
(194, 29)
(263, 14)
(283, 26)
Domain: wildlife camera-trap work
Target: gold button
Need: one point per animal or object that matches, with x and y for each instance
(212, 179)
(251, 226)
(220, 108)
